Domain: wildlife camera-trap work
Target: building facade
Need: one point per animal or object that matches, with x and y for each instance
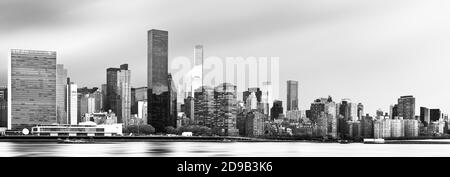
(276, 110)
(72, 104)
(406, 107)
(61, 88)
(292, 95)
(118, 92)
(33, 88)
(160, 113)
(225, 96)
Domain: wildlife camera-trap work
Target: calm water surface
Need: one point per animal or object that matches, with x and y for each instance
(226, 149)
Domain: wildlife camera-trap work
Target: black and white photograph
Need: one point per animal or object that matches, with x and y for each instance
(207, 79)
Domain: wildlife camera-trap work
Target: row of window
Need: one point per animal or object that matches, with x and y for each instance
(70, 129)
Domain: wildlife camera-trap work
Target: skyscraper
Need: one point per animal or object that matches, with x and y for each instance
(360, 111)
(61, 84)
(159, 94)
(3, 107)
(33, 88)
(72, 103)
(197, 78)
(3, 93)
(348, 110)
(276, 109)
(125, 94)
(251, 102)
(266, 97)
(204, 106)
(435, 115)
(292, 95)
(406, 107)
(425, 115)
(225, 96)
(104, 98)
(323, 112)
(118, 92)
(137, 94)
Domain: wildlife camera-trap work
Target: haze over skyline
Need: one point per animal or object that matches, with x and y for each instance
(369, 51)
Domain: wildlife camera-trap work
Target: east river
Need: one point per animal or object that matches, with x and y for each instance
(221, 149)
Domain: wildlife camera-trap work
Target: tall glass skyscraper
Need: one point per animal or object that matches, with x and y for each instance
(160, 89)
(33, 88)
(292, 95)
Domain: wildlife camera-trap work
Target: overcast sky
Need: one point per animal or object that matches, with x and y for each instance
(369, 51)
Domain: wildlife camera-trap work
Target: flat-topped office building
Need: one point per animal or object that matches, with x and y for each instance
(161, 112)
(33, 88)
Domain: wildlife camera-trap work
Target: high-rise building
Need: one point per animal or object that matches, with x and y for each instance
(292, 95)
(3, 107)
(276, 109)
(98, 99)
(61, 84)
(204, 106)
(72, 103)
(197, 73)
(189, 104)
(360, 111)
(266, 98)
(3, 93)
(225, 96)
(425, 115)
(137, 94)
(82, 105)
(33, 88)
(393, 111)
(367, 126)
(118, 92)
(435, 115)
(159, 89)
(125, 94)
(142, 110)
(173, 105)
(254, 124)
(251, 102)
(323, 112)
(406, 107)
(104, 98)
(344, 109)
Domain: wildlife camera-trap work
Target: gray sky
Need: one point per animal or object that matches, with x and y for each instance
(369, 51)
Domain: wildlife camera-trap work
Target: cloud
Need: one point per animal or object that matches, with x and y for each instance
(23, 14)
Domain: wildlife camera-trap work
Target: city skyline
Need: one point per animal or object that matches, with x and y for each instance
(354, 76)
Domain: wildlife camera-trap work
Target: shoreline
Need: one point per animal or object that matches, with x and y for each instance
(113, 139)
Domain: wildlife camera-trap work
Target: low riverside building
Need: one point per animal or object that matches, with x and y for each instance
(83, 129)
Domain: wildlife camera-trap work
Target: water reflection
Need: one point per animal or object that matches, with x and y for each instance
(214, 149)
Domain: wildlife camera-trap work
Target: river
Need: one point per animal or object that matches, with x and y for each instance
(225, 149)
